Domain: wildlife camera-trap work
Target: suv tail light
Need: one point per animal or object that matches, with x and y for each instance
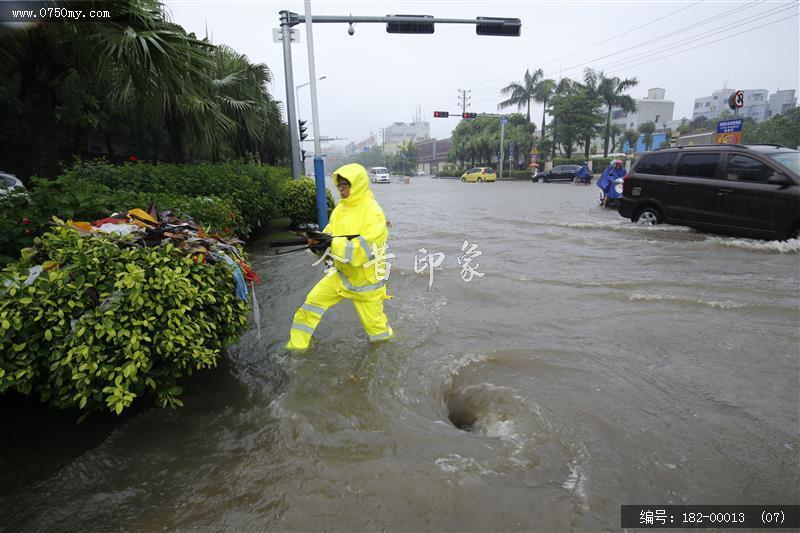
(625, 183)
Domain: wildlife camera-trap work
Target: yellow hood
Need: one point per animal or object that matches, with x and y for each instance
(359, 183)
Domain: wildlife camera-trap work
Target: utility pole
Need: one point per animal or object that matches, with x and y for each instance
(462, 95)
(503, 121)
(383, 145)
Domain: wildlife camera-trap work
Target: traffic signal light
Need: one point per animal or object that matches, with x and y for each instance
(412, 24)
(469, 115)
(441, 114)
(498, 26)
(302, 126)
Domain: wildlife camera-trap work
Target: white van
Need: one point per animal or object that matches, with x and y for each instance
(379, 175)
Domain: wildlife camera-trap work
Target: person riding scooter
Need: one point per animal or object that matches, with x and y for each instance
(611, 184)
(584, 175)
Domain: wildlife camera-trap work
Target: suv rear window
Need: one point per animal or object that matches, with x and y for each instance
(698, 165)
(660, 164)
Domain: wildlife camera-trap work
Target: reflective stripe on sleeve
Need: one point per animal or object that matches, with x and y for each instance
(348, 251)
(367, 248)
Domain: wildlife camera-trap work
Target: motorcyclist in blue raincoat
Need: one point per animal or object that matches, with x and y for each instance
(606, 182)
(584, 175)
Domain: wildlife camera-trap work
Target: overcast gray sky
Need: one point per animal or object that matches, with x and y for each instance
(375, 78)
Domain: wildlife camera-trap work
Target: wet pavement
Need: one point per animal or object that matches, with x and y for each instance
(594, 363)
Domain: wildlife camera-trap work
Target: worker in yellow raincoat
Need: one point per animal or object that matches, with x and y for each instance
(360, 266)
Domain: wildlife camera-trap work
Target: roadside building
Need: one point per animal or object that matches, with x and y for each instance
(391, 138)
(653, 108)
(758, 104)
(780, 102)
(400, 132)
(432, 154)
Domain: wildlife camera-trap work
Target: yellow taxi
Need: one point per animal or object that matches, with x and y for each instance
(479, 174)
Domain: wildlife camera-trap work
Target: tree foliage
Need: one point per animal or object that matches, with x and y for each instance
(139, 81)
(647, 129)
(783, 129)
(477, 141)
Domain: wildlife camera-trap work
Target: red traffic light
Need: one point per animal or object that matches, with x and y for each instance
(441, 114)
(469, 115)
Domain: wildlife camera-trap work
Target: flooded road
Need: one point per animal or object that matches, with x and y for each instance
(595, 363)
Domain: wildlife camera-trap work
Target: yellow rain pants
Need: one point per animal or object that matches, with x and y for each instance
(358, 263)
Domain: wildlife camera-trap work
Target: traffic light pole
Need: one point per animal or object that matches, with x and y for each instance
(286, 37)
(502, 134)
(394, 24)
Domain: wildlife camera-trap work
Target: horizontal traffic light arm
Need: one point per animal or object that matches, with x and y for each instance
(415, 23)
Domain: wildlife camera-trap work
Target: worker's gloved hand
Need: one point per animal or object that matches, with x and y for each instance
(319, 243)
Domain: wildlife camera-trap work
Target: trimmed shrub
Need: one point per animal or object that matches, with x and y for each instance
(252, 188)
(298, 200)
(26, 216)
(108, 321)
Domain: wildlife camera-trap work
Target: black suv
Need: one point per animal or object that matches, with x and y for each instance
(747, 190)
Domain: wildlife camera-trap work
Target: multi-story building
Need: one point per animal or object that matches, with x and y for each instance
(392, 137)
(780, 102)
(432, 154)
(400, 132)
(755, 104)
(654, 108)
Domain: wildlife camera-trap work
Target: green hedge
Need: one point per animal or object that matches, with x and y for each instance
(26, 216)
(298, 200)
(252, 188)
(108, 322)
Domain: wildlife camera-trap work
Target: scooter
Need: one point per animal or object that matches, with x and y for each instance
(612, 199)
(582, 180)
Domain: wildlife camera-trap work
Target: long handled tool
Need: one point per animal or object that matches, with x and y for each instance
(303, 240)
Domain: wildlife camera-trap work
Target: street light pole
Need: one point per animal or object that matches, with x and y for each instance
(319, 165)
(297, 105)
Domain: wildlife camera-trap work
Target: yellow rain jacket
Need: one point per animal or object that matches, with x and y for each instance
(361, 269)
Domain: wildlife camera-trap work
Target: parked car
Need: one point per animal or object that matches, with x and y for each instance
(9, 183)
(479, 174)
(559, 173)
(747, 190)
(419, 173)
(379, 175)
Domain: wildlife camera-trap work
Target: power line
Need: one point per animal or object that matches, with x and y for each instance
(719, 16)
(663, 36)
(715, 41)
(628, 31)
(622, 62)
(597, 43)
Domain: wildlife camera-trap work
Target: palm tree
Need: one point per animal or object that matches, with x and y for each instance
(631, 137)
(240, 104)
(647, 129)
(563, 87)
(544, 90)
(611, 92)
(521, 94)
(139, 50)
(616, 131)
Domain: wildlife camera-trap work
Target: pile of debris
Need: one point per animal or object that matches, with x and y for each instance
(149, 227)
